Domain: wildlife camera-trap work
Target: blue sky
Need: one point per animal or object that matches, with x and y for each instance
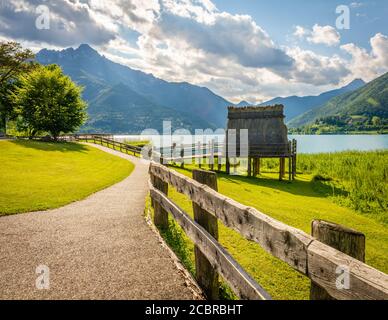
(278, 17)
(241, 49)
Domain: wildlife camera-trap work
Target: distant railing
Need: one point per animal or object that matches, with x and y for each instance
(110, 143)
(318, 261)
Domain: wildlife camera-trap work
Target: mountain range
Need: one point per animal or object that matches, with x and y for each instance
(296, 106)
(124, 101)
(361, 105)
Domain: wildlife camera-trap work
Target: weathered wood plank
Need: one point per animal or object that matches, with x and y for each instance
(282, 241)
(160, 215)
(299, 250)
(206, 275)
(238, 279)
(348, 241)
(324, 264)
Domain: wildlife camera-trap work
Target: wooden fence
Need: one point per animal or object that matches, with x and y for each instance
(314, 259)
(108, 142)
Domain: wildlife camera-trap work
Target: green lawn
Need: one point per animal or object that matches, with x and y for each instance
(38, 176)
(295, 204)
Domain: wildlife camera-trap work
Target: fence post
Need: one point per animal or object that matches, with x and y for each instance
(206, 275)
(294, 152)
(182, 154)
(200, 154)
(160, 215)
(346, 240)
(211, 160)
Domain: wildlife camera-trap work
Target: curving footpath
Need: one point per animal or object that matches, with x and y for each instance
(97, 248)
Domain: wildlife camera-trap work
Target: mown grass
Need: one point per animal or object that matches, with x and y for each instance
(137, 143)
(296, 204)
(39, 176)
(358, 180)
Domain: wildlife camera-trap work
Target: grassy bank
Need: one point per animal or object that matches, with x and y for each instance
(358, 180)
(295, 204)
(39, 176)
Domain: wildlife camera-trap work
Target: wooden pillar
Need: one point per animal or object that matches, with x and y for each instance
(206, 275)
(282, 169)
(346, 240)
(254, 167)
(219, 159)
(200, 154)
(289, 168)
(211, 160)
(160, 215)
(294, 159)
(249, 167)
(227, 153)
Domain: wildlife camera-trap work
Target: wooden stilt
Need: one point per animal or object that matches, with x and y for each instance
(227, 165)
(227, 154)
(289, 168)
(249, 167)
(281, 168)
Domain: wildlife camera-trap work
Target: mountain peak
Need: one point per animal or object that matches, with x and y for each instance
(355, 84)
(85, 48)
(244, 104)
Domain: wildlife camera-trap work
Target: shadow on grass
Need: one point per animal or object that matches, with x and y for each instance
(314, 188)
(52, 146)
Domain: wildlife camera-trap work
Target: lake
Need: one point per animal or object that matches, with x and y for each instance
(306, 143)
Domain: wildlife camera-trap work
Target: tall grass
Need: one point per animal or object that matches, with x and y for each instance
(357, 179)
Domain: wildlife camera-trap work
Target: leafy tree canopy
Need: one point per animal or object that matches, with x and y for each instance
(48, 101)
(14, 61)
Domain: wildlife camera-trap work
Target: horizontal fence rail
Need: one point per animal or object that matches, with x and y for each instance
(123, 147)
(239, 280)
(317, 261)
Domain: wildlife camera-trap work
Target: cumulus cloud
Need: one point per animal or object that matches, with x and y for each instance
(191, 40)
(317, 69)
(70, 22)
(235, 36)
(300, 32)
(319, 35)
(368, 65)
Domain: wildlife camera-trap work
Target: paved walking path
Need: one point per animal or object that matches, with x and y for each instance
(97, 248)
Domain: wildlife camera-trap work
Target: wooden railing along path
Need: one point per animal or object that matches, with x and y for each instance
(110, 143)
(332, 254)
(320, 262)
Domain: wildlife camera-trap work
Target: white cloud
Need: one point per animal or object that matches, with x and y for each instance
(193, 41)
(300, 32)
(324, 35)
(368, 65)
(316, 69)
(357, 4)
(318, 34)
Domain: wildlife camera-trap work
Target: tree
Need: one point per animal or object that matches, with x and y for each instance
(14, 61)
(376, 121)
(48, 101)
